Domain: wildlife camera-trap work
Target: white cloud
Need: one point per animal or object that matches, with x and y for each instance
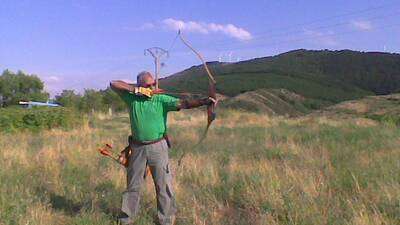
(188, 26)
(53, 78)
(324, 38)
(146, 26)
(206, 28)
(362, 25)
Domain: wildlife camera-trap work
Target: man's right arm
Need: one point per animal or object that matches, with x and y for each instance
(120, 86)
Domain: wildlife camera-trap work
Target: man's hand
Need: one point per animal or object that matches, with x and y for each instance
(143, 91)
(122, 159)
(124, 156)
(212, 101)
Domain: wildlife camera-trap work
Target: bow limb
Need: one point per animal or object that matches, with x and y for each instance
(211, 115)
(210, 76)
(211, 108)
(212, 88)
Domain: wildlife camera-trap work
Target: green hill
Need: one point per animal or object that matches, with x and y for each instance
(324, 77)
(383, 108)
(268, 101)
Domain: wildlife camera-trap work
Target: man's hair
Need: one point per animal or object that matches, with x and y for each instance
(140, 79)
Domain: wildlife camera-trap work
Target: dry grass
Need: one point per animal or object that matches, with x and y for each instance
(252, 169)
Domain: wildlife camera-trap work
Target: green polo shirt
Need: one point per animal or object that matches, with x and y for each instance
(148, 116)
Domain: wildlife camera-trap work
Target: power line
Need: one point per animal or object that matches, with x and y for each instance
(302, 39)
(295, 26)
(314, 29)
(218, 47)
(352, 13)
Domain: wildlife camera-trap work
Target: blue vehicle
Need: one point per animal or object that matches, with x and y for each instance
(30, 104)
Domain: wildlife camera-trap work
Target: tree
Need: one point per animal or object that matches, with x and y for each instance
(68, 98)
(113, 100)
(92, 100)
(15, 87)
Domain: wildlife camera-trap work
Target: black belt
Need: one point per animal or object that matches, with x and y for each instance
(137, 142)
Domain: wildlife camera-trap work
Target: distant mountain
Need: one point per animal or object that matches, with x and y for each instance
(325, 77)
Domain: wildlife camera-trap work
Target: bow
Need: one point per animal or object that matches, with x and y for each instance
(211, 115)
(212, 84)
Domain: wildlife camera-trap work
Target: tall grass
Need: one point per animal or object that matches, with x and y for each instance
(251, 169)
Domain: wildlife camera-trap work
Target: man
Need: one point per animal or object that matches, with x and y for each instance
(148, 116)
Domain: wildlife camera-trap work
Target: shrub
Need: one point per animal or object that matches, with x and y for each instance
(388, 119)
(34, 119)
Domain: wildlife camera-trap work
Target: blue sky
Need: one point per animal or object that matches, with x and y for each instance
(84, 44)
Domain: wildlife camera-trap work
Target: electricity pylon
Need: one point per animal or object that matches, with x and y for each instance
(158, 54)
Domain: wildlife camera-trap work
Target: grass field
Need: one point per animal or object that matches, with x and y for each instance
(251, 169)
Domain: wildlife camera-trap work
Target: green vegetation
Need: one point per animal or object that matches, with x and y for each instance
(91, 100)
(252, 169)
(390, 119)
(269, 101)
(338, 165)
(14, 119)
(322, 76)
(15, 87)
(383, 109)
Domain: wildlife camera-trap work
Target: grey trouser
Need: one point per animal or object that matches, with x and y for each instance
(156, 157)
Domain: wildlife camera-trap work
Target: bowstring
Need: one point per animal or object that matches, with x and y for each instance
(202, 138)
(211, 81)
(173, 42)
(184, 43)
(169, 50)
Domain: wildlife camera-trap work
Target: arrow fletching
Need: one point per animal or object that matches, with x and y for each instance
(105, 152)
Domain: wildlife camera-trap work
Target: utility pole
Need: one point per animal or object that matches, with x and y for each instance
(158, 54)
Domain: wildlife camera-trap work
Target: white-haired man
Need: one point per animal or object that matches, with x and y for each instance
(148, 117)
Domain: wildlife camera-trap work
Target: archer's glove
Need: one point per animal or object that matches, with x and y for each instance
(148, 92)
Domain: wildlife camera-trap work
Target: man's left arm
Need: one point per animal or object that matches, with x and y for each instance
(194, 103)
(174, 104)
